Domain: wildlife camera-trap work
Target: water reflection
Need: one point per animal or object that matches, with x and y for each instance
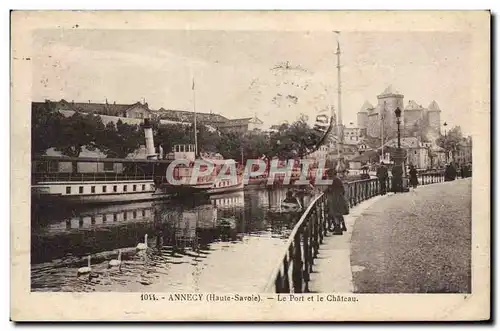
(222, 243)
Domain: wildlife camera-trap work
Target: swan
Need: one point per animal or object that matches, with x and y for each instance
(85, 270)
(116, 262)
(144, 245)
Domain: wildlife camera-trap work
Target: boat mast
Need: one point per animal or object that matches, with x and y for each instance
(340, 131)
(195, 128)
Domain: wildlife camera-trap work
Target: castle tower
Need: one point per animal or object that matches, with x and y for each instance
(434, 116)
(413, 116)
(363, 115)
(388, 101)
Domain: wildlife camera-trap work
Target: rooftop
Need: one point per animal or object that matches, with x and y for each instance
(366, 106)
(433, 106)
(413, 105)
(390, 90)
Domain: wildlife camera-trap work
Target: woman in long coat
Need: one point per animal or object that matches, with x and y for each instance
(337, 204)
(413, 176)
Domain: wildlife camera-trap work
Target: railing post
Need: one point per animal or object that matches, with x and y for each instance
(351, 195)
(316, 233)
(321, 221)
(307, 255)
(297, 264)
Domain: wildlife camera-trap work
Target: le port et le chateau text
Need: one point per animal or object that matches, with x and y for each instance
(211, 297)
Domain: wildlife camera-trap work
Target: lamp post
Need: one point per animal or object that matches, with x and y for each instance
(397, 171)
(398, 121)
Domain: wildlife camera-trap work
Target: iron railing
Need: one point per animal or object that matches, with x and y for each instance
(292, 273)
(431, 178)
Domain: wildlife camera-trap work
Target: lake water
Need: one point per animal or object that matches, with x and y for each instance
(225, 243)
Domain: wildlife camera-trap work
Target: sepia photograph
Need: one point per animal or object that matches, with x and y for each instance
(265, 166)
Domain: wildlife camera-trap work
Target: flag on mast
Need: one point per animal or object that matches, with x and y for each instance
(192, 88)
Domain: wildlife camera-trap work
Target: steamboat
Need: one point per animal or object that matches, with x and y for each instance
(106, 180)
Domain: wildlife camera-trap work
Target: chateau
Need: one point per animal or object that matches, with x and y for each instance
(380, 120)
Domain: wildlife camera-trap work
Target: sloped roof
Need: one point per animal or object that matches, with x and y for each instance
(372, 142)
(113, 109)
(237, 121)
(188, 116)
(433, 106)
(366, 106)
(413, 105)
(406, 142)
(390, 90)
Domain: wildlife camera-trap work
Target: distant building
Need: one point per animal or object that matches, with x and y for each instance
(353, 135)
(242, 125)
(135, 114)
(135, 110)
(463, 155)
(418, 153)
(415, 119)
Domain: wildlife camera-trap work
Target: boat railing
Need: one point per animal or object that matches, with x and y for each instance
(86, 177)
(293, 270)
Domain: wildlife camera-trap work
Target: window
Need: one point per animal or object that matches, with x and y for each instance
(80, 189)
(104, 219)
(68, 189)
(134, 188)
(92, 189)
(135, 214)
(143, 213)
(143, 187)
(115, 217)
(125, 216)
(115, 188)
(104, 188)
(124, 188)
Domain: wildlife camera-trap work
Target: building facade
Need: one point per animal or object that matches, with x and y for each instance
(416, 120)
(135, 114)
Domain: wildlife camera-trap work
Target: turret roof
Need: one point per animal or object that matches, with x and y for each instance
(434, 106)
(366, 106)
(413, 105)
(390, 90)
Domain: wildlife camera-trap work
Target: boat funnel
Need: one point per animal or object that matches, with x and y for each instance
(148, 135)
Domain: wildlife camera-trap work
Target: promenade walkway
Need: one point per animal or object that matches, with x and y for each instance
(414, 242)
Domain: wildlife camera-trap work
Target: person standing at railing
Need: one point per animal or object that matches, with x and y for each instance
(413, 176)
(382, 175)
(337, 204)
(450, 173)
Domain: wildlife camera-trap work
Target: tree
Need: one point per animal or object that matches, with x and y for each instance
(451, 141)
(295, 140)
(119, 140)
(78, 131)
(169, 135)
(45, 127)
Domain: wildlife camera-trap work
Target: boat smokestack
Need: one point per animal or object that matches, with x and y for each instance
(148, 135)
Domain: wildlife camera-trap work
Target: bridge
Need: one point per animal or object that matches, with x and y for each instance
(410, 242)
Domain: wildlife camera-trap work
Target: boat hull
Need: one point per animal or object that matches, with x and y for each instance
(226, 189)
(51, 199)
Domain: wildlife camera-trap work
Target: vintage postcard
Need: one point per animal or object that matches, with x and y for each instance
(250, 166)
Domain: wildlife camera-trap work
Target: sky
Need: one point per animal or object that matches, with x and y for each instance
(242, 73)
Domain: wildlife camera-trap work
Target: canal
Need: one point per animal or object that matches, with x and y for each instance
(224, 243)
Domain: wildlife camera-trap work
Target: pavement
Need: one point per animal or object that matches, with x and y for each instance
(414, 242)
